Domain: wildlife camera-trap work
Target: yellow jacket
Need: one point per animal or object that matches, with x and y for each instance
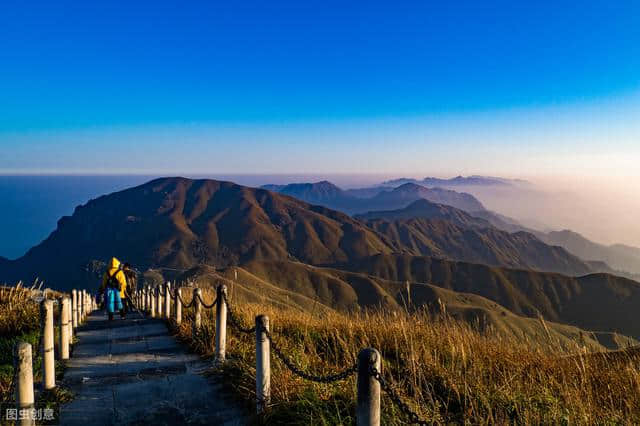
(114, 268)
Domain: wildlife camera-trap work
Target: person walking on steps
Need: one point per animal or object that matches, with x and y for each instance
(114, 286)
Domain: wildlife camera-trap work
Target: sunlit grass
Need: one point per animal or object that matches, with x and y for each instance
(446, 370)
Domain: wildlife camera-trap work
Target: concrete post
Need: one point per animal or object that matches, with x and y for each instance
(221, 323)
(178, 306)
(159, 294)
(70, 320)
(23, 367)
(80, 307)
(368, 405)
(197, 323)
(48, 355)
(84, 305)
(64, 328)
(152, 302)
(263, 364)
(167, 300)
(74, 307)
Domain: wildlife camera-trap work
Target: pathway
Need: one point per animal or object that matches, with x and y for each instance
(133, 372)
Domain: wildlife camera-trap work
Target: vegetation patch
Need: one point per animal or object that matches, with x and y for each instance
(443, 368)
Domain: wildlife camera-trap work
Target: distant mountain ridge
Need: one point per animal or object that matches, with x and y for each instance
(425, 209)
(329, 195)
(427, 229)
(618, 256)
(473, 180)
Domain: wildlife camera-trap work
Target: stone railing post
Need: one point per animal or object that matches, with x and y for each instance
(64, 327)
(160, 296)
(48, 355)
(152, 300)
(74, 307)
(80, 306)
(368, 405)
(263, 364)
(178, 306)
(197, 323)
(221, 323)
(167, 300)
(23, 367)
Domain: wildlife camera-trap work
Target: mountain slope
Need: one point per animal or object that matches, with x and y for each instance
(428, 229)
(488, 245)
(318, 290)
(599, 302)
(617, 256)
(180, 222)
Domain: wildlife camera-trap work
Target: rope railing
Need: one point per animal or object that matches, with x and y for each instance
(368, 368)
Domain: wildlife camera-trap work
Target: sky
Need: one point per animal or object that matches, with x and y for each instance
(340, 87)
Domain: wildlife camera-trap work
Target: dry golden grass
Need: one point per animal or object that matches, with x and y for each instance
(446, 371)
(20, 321)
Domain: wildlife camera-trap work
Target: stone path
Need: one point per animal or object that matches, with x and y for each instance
(129, 372)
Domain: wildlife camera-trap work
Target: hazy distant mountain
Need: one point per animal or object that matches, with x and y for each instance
(405, 194)
(425, 209)
(457, 181)
(328, 195)
(619, 257)
(321, 193)
(368, 192)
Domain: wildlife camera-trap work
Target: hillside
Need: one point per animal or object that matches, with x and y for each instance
(179, 222)
(318, 290)
(599, 302)
(487, 245)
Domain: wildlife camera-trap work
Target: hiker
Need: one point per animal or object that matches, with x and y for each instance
(114, 286)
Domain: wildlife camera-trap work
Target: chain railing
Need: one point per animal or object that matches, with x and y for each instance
(313, 378)
(370, 381)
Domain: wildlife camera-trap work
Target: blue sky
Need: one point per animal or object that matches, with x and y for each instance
(349, 87)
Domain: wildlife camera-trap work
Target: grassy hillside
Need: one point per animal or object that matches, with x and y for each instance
(295, 286)
(445, 369)
(594, 302)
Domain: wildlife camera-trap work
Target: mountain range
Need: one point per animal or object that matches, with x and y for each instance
(474, 180)
(329, 195)
(339, 261)
(617, 256)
